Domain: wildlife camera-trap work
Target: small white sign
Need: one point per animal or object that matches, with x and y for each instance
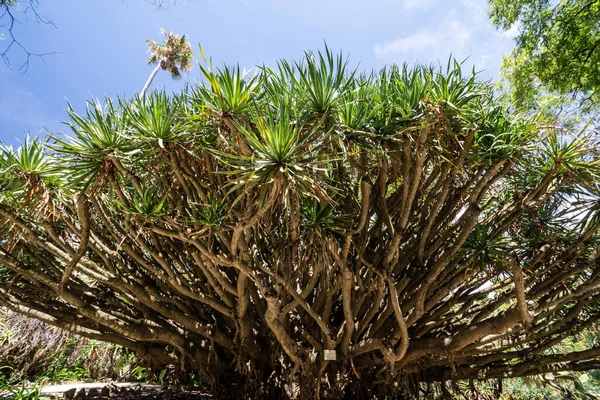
(329, 355)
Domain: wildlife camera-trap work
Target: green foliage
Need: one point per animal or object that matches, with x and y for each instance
(455, 92)
(487, 250)
(15, 390)
(62, 369)
(148, 206)
(318, 82)
(156, 118)
(27, 169)
(320, 220)
(553, 386)
(230, 90)
(31, 351)
(557, 49)
(282, 146)
(98, 135)
(125, 364)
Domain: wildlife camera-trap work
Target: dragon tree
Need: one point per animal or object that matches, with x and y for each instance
(309, 231)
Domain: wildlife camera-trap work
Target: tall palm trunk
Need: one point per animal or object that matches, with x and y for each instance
(149, 81)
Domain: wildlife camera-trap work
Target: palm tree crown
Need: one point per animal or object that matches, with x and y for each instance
(174, 55)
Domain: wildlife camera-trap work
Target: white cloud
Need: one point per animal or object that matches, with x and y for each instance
(417, 4)
(452, 35)
(511, 33)
(460, 35)
(478, 9)
(460, 29)
(483, 62)
(22, 110)
(413, 43)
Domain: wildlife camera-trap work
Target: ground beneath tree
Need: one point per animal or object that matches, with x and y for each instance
(120, 391)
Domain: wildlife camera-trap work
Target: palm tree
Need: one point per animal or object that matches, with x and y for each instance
(174, 55)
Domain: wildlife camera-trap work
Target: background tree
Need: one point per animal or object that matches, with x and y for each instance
(174, 55)
(557, 49)
(403, 221)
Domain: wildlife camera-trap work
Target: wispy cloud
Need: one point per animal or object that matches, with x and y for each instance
(463, 31)
(413, 43)
(511, 33)
(417, 4)
(21, 106)
(459, 33)
(452, 34)
(21, 110)
(477, 10)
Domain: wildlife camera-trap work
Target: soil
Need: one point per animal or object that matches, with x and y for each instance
(120, 392)
(133, 394)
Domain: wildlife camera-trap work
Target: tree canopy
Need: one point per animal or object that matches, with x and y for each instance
(308, 230)
(557, 48)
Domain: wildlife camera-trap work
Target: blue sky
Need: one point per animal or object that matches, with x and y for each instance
(100, 44)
